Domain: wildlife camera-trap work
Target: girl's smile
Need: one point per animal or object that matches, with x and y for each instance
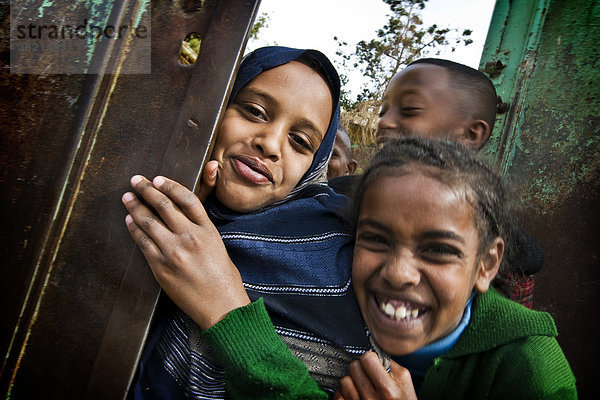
(252, 169)
(416, 259)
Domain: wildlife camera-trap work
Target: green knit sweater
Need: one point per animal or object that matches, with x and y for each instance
(506, 352)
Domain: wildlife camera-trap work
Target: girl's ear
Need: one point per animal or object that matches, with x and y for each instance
(488, 265)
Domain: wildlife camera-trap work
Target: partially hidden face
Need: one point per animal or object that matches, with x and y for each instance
(419, 101)
(269, 136)
(340, 158)
(415, 260)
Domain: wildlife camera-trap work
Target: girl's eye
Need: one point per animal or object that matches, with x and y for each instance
(254, 111)
(373, 240)
(300, 142)
(441, 251)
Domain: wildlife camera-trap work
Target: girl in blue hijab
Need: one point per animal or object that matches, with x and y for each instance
(280, 224)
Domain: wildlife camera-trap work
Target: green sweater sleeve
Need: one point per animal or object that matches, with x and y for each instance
(258, 365)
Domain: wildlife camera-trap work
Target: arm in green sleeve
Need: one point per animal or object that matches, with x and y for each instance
(258, 365)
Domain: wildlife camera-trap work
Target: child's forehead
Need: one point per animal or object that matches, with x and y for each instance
(437, 176)
(419, 78)
(439, 188)
(288, 73)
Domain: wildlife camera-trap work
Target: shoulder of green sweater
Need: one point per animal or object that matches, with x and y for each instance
(496, 320)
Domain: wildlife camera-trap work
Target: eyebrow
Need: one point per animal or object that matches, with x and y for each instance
(433, 234)
(254, 92)
(408, 92)
(374, 224)
(310, 125)
(443, 235)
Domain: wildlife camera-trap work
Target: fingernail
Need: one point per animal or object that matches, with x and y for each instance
(136, 179)
(213, 174)
(128, 219)
(128, 196)
(158, 181)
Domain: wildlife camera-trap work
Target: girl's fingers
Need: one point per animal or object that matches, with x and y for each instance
(372, 367)
(184, 199)
(145, 222)
(394, 385)
(209, 179)
(361, 380)
(166, 207)
(399, 373)
(403, 381)
(144, 242)
(347, 390)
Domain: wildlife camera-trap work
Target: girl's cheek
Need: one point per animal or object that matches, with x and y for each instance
(361, 268)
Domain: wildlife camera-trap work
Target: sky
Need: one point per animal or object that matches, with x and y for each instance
(314, 23)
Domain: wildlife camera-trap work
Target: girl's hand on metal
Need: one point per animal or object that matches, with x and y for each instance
(184, 249)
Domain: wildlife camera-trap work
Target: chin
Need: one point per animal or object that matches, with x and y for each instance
(243, 204)
(236, 198)
(396, 347)
(238, 206)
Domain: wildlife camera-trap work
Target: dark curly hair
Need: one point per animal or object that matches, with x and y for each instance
(458, 167)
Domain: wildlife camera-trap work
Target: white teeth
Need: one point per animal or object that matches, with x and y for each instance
(399, 313)
(389, 310)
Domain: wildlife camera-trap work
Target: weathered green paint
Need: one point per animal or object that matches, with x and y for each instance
(548, 147)
(45, 4)
(514, 45)
(96, 12)
(548, 111)
(142, 7)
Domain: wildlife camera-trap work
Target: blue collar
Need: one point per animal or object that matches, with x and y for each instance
(419, 361)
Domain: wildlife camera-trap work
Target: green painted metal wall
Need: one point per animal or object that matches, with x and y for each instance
(547, 69)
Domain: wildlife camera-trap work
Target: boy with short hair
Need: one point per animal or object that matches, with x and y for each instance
(435, 98)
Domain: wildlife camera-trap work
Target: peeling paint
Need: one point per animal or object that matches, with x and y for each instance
(550, 141)
(142, 7)
(99, 15)
(45, 4)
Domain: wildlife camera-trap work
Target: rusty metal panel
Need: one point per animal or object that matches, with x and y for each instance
(548, 146)
(76, 297)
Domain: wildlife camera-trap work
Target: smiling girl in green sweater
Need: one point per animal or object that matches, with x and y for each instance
(432, 227)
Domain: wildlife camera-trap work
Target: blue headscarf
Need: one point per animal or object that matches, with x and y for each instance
(266, 58)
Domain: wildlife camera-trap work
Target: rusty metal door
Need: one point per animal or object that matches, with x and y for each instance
(544, 58)
(75, 295)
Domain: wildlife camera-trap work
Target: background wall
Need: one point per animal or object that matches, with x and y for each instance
(547, 70)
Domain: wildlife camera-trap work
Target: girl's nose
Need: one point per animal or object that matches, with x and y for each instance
(401, 271)
(271, 141)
